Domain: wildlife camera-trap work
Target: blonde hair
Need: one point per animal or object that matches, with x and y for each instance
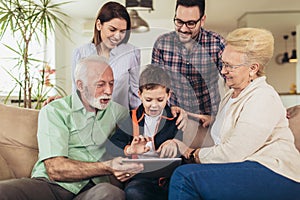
(257, 45)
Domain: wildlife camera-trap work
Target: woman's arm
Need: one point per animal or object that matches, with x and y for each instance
(76, 56)
(246, 129)
(134, 74)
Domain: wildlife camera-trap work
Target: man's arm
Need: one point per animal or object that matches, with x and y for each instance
(134, 73)
(156, 54)
(53, 140)
(64, 169)
(182, 119)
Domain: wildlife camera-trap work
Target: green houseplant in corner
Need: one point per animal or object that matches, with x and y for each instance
(28, 20)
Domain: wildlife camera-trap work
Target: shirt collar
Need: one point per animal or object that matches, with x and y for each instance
(156, 118)
(77, 103)
(78, 106)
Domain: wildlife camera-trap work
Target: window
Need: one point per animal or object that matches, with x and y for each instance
(40, 51)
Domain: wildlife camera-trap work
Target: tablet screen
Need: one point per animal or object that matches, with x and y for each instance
(156, 167)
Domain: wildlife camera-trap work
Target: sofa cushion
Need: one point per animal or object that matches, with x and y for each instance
(294, 121)
(5, 172)
(18, 141)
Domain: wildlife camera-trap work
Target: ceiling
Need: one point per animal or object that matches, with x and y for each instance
(222, 15)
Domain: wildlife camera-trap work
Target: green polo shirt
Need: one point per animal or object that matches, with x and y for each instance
(66, 129)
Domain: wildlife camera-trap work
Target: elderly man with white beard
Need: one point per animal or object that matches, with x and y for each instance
(72, 132)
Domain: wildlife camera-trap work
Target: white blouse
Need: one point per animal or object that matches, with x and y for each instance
(216, 128)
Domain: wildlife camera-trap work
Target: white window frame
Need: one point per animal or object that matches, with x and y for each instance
(42, 51)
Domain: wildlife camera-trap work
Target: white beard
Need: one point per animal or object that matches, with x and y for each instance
(96, 102)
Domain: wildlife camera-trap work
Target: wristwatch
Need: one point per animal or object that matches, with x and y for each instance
(192, 157)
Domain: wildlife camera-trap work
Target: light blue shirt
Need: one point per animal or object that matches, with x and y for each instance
(65, 128)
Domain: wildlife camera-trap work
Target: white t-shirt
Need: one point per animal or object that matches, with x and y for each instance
(150, 129)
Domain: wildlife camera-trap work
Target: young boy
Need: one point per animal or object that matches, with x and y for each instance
(149, 132)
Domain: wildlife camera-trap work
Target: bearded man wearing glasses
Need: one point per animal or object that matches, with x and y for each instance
(193, 57)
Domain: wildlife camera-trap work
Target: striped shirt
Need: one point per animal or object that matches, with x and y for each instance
(194, 73)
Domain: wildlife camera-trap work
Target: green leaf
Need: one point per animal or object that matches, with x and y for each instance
(26, 19)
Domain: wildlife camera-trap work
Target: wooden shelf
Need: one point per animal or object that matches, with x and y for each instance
(287, 93)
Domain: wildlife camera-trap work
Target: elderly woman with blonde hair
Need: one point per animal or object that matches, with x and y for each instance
(254, 155)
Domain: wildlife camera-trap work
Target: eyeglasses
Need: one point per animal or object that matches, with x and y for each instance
(231, 67)
(190, 24)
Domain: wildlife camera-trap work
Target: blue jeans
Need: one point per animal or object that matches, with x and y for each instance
(232, 181)
(145, 189)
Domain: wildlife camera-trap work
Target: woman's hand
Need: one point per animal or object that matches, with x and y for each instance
(50, 99)
(183, 148)
(168, 149)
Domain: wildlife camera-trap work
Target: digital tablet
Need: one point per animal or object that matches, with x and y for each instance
(156, 167)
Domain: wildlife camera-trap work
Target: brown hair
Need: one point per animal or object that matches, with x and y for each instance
(153, 77)
(191, 3)
(109, 11)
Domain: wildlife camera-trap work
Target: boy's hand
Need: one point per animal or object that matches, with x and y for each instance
(138, 145)
(168, 149)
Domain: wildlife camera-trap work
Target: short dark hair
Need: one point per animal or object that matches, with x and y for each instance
(153, 77)
(190, 3)
(109, 11)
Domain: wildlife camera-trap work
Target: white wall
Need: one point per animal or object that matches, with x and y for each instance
(64, 50)
(298, 56)
(280, 76)
(145, 41)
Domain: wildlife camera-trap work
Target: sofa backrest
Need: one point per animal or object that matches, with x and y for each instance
(18, 141)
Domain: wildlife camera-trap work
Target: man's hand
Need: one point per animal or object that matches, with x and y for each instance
(168, 149)
(206, 120)
(182, 119)
(124, 171)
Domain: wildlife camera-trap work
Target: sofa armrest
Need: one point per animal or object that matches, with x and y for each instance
(18, 141)
(294, 121)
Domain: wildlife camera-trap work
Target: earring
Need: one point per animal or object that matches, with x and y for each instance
(250, 75)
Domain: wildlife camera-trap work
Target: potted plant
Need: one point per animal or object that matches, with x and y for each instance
(28, 20)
